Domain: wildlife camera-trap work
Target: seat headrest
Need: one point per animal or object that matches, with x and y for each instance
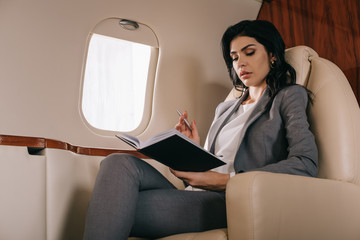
(299, 58)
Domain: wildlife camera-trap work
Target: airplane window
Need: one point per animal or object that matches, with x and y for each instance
(115, 81)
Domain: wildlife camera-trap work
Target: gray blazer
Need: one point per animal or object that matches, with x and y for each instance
(276, 137)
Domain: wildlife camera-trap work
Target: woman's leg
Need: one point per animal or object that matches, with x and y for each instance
(111, 210)
(129, 193)
(164, 212)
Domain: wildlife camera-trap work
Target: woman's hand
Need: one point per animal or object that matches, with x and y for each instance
(205, 180)
(183, 128)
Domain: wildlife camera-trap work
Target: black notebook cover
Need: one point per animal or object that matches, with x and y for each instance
(180, 153)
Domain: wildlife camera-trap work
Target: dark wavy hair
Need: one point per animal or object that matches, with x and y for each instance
(281, 73)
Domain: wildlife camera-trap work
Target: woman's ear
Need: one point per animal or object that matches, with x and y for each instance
(272, 60)
(272, 57)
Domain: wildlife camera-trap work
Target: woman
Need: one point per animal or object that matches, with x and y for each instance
(266, 129)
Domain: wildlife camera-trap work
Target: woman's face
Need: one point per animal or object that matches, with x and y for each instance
(251, 61)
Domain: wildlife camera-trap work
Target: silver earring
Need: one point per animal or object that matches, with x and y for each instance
(272, 65)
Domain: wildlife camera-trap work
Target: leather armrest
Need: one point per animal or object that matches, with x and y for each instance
(262, 205)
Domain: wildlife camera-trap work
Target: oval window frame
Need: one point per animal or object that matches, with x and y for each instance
(144, 35)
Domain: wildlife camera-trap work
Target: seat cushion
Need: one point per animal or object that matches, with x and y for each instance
(217, 234)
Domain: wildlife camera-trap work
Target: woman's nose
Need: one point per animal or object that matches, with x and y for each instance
(241, 62)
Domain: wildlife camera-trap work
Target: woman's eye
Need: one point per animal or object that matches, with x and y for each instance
(235, 59)
(249, 53)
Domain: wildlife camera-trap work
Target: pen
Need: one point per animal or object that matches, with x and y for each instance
(186, 122)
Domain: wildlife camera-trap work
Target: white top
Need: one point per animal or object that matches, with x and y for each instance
(228, 140)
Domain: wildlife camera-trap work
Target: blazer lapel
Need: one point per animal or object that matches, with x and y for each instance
(257, 111)
(255, 114)
(222, 120)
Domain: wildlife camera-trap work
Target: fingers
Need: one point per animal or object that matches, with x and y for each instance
(195, 133)
(183, 118)
(185, 114)
(181, 126)
(181, 174)
(178, 175)
(206, 180)
(172, 171)
(191, 132)
(194, 128)
(178, 126)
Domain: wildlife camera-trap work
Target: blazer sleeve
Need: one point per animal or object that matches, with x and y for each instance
(302, 156)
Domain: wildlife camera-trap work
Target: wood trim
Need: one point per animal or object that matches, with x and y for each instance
(22, 141)
(42, 143)
(330, 27)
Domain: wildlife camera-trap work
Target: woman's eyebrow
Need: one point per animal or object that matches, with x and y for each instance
(249, 45)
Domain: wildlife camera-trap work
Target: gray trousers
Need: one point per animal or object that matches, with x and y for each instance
(131, 198)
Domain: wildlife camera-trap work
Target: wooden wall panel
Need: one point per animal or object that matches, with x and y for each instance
(330, 27)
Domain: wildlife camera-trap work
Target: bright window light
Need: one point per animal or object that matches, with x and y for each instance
(114, 83)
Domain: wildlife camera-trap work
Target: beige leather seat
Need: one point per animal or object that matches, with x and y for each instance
(265, 206)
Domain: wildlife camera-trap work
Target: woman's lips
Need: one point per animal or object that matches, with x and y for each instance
(245, 75)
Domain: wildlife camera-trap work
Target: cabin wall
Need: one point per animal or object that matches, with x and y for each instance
(330, 27)
(43, 44)
(43, 47)
(23, 194)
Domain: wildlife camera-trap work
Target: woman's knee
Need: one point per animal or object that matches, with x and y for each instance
(121, 160)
